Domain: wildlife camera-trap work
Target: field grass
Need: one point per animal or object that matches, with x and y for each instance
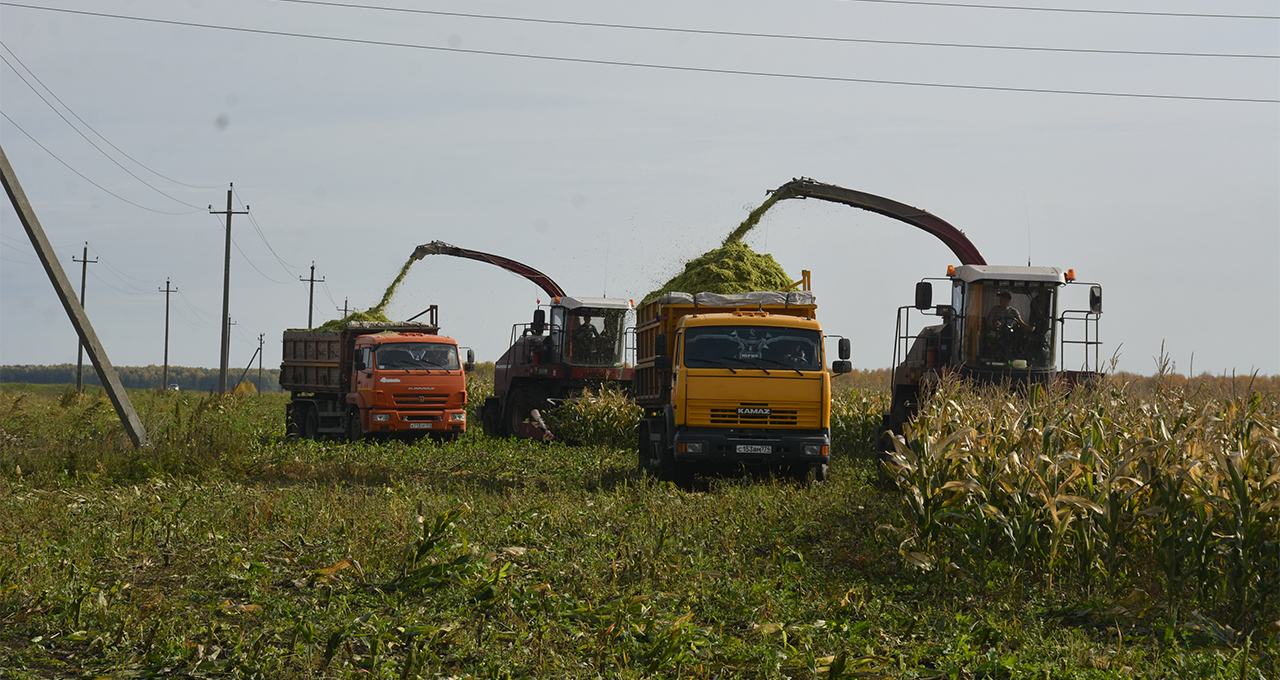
(226, 551)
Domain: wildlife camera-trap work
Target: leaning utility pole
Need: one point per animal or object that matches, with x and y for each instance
(164, 382)
(226, 292)
(311, 299)
(84, 270)
(66, 294)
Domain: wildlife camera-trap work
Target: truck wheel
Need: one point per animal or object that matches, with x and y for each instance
(354, 430)
(820, 472)
(669, 470)
(310, 422)
(643, 448)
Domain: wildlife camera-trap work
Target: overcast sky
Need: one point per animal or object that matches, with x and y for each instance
(386, 129)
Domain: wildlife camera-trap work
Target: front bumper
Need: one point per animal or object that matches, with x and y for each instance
(752, 447)
(386, 420)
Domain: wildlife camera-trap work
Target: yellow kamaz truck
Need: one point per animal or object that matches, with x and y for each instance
(734, 381)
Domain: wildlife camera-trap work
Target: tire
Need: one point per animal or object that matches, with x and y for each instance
(670, 470)
(643, 448)
(310, 422)
(355, 432)
(517, 411)
(491, 417)
(820, 472)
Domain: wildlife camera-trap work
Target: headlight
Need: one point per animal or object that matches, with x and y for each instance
(692, 447)
(458, 416)
(814, 450)
(381, 417)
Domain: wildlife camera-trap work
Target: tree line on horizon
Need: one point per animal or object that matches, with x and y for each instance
(142, 377)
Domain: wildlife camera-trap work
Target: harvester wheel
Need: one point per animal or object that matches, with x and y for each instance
(491, 417)
(519, 403)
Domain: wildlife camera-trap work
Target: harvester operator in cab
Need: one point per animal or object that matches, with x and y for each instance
(1003, 316)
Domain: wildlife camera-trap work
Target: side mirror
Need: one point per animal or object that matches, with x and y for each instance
(662, 363)
(924, 295)
(359, 362)
(539, 321)
(844, 351)
(471, 361)
(841, 367)
(1095, 299)
(660, 345)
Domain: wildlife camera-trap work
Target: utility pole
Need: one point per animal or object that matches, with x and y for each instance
(164, 382)
(345, 312)
(75, 311)
(311, 299)
(260, 337)
(84, 270)
(226, 292)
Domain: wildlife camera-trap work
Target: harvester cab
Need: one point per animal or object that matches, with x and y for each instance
(571, 344)
(1003, 324)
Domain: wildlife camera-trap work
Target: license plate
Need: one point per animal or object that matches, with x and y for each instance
(754, 448)
(419, 426)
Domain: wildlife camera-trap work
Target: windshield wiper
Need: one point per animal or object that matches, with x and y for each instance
(717, 362)
(779, 363)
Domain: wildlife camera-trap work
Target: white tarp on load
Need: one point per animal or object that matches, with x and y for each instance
(756, 297)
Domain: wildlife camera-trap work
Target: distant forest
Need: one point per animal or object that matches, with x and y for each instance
(142, 377)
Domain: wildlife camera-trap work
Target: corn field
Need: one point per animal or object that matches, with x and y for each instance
(1161, 506)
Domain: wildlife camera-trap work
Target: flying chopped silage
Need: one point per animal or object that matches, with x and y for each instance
(732, 268)
(376, 312)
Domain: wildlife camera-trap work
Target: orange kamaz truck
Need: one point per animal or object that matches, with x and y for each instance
(375, 379)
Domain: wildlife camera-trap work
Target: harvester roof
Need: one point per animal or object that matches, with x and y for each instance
(974, 272)
(603, 303)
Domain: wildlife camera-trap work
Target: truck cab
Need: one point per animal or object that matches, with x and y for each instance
(408, 383)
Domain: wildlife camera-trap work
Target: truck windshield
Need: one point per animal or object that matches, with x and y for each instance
(763, 347)
(416, 356)
(596, 336)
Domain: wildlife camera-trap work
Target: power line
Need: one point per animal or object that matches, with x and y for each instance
(783, 36)
(64, 163)
(263, 236)
(251, 264)
(662, 67)
(1192, 15)
(86, 137)
(246, 257)
(91, 127)
(120, 273)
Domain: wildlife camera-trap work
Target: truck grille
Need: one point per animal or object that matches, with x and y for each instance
(421, 400)
(751, 414)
